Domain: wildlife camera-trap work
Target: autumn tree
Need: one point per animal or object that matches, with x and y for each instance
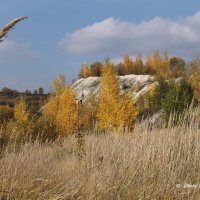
(177, 66)
(137, 65)
(196, 86)
(163, 70)
(67, 116)
(128, 64)
(19, 125)
(108, 98)
(81, 74)
(120, 69)
(127, 112)
(95, 69)
(59, 84)
(148, 67)
(86, 71)
(156, 62)
(51, 108)
(92, 107)
(47, 124)
(87, 112)
(20, 112)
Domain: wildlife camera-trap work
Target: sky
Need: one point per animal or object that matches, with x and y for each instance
(61, 35)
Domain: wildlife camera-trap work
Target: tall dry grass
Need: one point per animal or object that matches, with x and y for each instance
(145, 164)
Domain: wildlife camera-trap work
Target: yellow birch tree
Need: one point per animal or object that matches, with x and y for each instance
(108, 98)
(148, 68)
(67, 116)
(19, 125)
(128, 64)
(156, 62)
(86, 71)
(164, 66)
(127, 112)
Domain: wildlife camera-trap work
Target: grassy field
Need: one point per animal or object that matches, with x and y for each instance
(157, 164)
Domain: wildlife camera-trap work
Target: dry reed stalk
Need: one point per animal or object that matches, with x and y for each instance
(4, 31)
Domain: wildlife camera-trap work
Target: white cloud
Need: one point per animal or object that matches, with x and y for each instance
(114, 37)
(15, 53)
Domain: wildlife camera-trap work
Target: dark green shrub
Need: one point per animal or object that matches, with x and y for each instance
(177, 99)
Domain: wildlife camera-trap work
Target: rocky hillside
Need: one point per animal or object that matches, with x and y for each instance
(138, 84)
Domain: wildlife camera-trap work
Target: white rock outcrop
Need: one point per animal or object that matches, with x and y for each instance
(138, 84)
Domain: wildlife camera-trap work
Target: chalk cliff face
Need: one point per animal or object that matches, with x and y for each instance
(138, 84)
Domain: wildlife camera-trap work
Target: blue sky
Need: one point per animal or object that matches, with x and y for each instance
(61, 35)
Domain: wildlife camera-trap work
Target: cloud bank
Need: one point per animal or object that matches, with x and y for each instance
(114, 37)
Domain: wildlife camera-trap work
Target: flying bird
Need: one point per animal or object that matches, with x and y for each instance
(4, 31)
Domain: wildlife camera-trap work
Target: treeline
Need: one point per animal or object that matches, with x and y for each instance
(110, 111)
(34, 99)
(65, 115)
(5, 91)
(154, 65)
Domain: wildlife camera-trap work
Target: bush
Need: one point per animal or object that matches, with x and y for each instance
(6, 113)
(171, 97)
(155, 98)
(177, 99)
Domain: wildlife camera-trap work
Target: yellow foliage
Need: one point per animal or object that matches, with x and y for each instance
(128, 64)
(149, 65)
(6, 113)
(86, 71)
(196, 86)
(156, 62)
(89, 112)
(18, 127)
(21, 114)
(59, 84)
(127, 112)
(108, 98)
(153, 89)
(67, 116)
(137, 65)
(51, 108)
(164, 66)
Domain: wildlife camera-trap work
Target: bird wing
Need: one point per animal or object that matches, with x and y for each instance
(4, 31)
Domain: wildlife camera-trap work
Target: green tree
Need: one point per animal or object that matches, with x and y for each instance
(176, 100)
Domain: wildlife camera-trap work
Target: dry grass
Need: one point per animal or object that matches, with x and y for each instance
(4, 31)
(141, 165)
